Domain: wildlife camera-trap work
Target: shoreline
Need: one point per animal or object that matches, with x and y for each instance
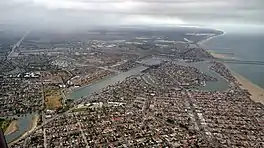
(209, 38)
(220, 56)
(257, 93)
(33, 125)
(68, 93)
(13, 127)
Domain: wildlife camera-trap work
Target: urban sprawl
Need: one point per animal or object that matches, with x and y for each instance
(162, 101)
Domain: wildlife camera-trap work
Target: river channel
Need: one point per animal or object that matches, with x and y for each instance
(23, 124)
(95, 87)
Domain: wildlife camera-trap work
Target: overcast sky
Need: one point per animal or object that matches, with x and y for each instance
(82, 13)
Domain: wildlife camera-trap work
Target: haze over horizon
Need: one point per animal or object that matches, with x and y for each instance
(90, 13)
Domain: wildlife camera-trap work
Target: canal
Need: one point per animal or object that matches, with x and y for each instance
(86, 91)
(219, 85)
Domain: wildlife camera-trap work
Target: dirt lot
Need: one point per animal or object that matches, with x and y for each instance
(53, 98)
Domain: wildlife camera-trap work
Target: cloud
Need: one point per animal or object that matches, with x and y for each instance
(127, 12)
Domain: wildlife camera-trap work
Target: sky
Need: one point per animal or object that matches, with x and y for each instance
(84, 13)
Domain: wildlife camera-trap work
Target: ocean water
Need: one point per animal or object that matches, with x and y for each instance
(243, 46)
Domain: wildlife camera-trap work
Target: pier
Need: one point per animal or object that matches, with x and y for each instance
(233, 61)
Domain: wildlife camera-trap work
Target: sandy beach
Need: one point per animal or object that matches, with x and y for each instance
(11, 128)
(220, 56)
(257, 93)
(33, 125)
(34, 122)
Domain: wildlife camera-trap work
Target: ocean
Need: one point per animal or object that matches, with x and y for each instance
(243, 46)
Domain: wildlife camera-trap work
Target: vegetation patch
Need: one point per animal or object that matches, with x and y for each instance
(53, 99)
(4, 123)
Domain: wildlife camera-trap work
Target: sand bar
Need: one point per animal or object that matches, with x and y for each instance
(210, 38)
(33, 125)
(11, 128)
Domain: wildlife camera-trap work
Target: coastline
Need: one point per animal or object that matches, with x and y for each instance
(257, 93)
(210, 38)
(33, 125)
(13, 127)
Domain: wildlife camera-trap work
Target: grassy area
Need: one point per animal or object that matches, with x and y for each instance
(53, 98)
(4, 123)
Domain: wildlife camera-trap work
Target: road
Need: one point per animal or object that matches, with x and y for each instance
(104, 68)
(198, 118)
(43, 113)
(81, 130)
(45, 138)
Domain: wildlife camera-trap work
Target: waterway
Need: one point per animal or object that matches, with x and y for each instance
(85, 91)
(24, 124)
(220, 85)
(242, 45)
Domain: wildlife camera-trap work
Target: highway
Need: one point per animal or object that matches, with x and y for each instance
(15, 46)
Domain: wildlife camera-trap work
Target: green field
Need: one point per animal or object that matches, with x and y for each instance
(4, 123)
